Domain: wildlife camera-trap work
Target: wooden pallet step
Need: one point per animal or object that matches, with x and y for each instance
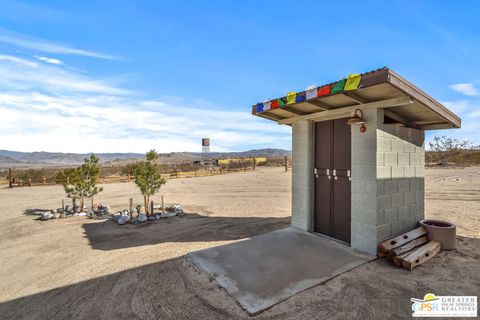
(402, 240)
(421, 255)
(410, 246)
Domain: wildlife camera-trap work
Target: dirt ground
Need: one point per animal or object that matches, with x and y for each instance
(77, 268)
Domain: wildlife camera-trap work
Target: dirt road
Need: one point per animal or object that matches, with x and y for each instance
(82, 269)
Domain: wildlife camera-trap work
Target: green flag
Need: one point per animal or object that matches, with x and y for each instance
(339, 86)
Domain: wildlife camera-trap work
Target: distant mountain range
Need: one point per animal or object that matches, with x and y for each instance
(42, 158)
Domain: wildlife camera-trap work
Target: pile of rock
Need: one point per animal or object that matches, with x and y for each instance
(138, 215)
(98, 210)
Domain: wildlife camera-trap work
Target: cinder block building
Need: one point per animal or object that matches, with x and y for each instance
(358, 155)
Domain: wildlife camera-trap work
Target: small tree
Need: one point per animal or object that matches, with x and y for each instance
(81, 182)
(447, 147)
(88, 177)
(148, 177)
(70, 181)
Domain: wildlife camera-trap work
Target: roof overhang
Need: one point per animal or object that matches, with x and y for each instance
(404, 104)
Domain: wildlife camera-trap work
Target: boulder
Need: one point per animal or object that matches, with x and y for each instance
(45, 216)
(81, 214)
(157, 217)
(116, 217)
(55, 215)
(178, 210)
(142, 217)
(151, 218)
(123, 219)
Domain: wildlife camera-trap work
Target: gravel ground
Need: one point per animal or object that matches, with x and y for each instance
(77, 268)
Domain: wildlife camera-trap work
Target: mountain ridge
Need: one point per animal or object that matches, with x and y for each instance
(60, 158)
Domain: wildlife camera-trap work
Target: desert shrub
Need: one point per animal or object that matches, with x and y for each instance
(444, 148)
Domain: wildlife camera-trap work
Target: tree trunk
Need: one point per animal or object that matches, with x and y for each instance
(81, 204)
(145, 204)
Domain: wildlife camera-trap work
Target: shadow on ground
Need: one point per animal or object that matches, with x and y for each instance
(189, 227)
(163, 290)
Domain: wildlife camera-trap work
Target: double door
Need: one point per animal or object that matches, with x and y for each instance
(333, 179)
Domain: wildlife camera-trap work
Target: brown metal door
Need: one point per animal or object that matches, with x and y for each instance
(332, 179)
(323, 181)
(341, 189)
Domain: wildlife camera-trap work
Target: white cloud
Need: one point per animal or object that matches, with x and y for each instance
(21, 74)
(54, 109)
(458, 107)
(467, 89)
(24, 41)
(49, 60)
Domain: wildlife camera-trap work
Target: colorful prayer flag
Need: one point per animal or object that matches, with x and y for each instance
(323, 91)
(339, 86)
(311, 92)
(300, 97)
(266, 105)
(353, 82)
(291, 97)
(259, 107)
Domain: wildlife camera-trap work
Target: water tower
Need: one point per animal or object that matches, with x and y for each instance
(205, 148)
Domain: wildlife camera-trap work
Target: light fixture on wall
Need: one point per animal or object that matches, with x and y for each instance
(357, 118)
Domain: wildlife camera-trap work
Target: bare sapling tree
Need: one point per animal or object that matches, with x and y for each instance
(148, 178)
(447, 147)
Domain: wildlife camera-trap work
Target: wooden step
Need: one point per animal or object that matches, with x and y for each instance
(401, 240)
(421, 255)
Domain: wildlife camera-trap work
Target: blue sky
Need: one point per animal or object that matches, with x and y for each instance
(127, 76)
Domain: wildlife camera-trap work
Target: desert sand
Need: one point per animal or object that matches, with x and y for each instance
(78, 268)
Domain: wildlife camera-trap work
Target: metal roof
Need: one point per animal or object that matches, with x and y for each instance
(404, 103)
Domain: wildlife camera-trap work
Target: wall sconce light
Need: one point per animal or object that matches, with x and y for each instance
(357, 118)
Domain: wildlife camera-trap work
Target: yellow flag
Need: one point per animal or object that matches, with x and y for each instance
(353, 82)
(291, 97)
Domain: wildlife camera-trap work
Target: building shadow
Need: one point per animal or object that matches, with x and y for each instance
(162, 290)
(189, 227)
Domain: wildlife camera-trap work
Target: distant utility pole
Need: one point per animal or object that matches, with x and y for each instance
(286, 164)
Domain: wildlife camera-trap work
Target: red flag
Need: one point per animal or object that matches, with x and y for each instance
(323, 91)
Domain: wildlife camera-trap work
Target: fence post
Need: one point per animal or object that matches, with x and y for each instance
(29, 182)
(91, 203)
(151, 207)
(128, 178)
(10, 178)
(163, 205)
(63, 205)
(130, 205)
(254, 163)
(44, 180)
(286, 164)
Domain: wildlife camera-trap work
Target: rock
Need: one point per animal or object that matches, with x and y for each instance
(125, 213)
(151, 218)
(123, 219)
(116, 217)
(142, 217)
(55, 215)
(45, 216)
(60, 210)
(63, 215)
(75, 214)
(141, 209)
(68, 208)
(178, 210)
(81, 214)
(157, 217)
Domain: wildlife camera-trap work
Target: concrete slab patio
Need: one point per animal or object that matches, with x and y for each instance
(267, 269)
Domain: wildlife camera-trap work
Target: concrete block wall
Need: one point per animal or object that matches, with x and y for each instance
(302, 175)
(387, 181)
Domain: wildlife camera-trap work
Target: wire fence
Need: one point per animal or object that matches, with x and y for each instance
(43, 181)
